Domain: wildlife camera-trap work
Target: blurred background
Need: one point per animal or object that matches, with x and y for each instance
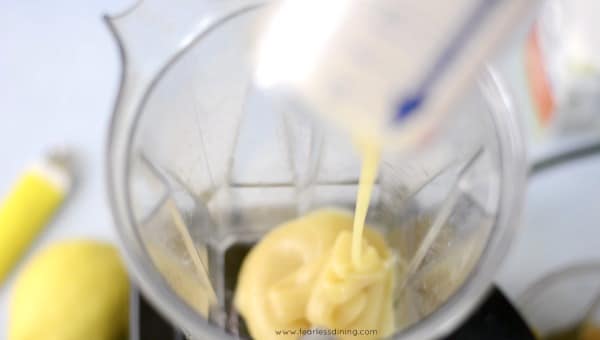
(59, 76)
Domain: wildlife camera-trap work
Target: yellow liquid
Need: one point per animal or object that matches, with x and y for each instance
(325, 269)
(370, 164)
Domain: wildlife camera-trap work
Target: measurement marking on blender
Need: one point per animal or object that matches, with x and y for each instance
(188, 242)
(291, 184)
(439, 220)
(213, 185)
(162, 198)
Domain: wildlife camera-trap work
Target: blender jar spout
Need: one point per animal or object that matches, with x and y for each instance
(152, 33)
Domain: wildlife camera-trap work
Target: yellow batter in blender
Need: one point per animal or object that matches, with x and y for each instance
(325, 269)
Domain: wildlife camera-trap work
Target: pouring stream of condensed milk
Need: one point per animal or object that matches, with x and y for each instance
(371, 154)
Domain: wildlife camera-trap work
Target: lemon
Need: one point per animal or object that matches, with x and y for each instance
(72, 290)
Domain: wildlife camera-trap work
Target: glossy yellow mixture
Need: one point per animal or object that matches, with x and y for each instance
(326, 269)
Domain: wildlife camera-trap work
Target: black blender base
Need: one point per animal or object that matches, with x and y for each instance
(495, 319)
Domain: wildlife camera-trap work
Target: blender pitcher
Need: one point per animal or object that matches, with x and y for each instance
(201, 164)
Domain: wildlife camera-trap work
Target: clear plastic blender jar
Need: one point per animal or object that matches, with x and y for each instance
(201, 164)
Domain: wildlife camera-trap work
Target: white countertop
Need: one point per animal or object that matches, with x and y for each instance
(59, 75)
(560, 225)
